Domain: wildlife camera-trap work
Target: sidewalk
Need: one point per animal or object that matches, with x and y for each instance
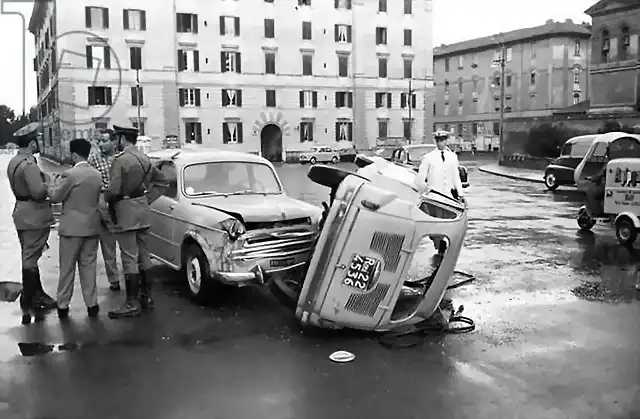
(526, 175)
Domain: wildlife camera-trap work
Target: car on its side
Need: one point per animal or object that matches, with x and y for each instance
(560, 171)
(320, 154)
(226, 219)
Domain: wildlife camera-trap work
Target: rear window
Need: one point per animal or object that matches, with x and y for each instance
(579, 149)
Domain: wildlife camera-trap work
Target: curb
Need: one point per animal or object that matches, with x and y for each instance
(514, 177)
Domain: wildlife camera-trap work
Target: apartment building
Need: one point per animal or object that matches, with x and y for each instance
(263, 76)
(546, 68)
(615, 59)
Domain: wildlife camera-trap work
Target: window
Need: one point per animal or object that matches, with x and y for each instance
(188, 60)
(189, 97)
(232, 133)
(308, 99)
(230, 62)
(446, 64)
(605, 46)
(497, 56)
(135, 58)
(231, 97)
(268, 1)
(406, 128)
(383, 100)
(344, 131)
(342, 33)
(344, 99)
(576, 98)
(306, 31)
(270, 98)
(382, 6)
(383, 128)
(475, 85)
(96, 17)
(304, 2)
(460, 86)
(135, 20)
(625, 43)
(474, 60)
(193, 132)
(407, 38)
(307, 64)
(382, 67)
(231, 177)
(460, 62)
(404, 99)
(343, 4)
(446, 87)
(532, 47)
(230, 26)
(381, 36)
(269, 28)
(168, 169)
(509, 54)
(408, 6)
(270, 62)
(576, 77)
(507, 80)
(533, 78)
(89, 56)
(187, 22)
(576, 48)
(306, 131)
(99, 96)
(135, 96)
(141, 128)
(343, 65)
(408, 69)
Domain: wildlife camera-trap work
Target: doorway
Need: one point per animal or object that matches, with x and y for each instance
(271, 143)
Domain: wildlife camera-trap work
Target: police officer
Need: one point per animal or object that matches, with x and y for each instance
(134, 183)
(32, 216)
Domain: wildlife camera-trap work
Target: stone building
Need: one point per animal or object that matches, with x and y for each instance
(615, 60)
(252, 75)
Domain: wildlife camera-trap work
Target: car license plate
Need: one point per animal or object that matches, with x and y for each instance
(362, 272)
(281, 263)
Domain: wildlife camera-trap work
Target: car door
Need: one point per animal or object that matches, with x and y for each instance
(162, 220)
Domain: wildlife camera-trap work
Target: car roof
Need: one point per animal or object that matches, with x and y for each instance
(409, 147)
(582, 139)
(205, 155)
(611, 136)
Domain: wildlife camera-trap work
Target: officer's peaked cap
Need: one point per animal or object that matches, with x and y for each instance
(23, 136)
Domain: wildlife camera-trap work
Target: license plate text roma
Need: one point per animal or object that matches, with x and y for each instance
(361, 272)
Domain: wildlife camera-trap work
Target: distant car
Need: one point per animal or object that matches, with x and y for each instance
(560, 171)
(320, 154)
(226, 219)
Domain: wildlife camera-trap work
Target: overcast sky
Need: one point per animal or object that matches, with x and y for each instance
(454, 21)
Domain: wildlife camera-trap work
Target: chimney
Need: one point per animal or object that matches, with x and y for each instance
(549, 22)
(568, 21)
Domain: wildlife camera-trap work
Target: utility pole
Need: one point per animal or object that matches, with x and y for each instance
(503, 59)
(410, 104)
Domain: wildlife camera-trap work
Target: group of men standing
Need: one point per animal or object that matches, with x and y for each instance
(105, 200)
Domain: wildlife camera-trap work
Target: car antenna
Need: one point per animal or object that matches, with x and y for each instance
(175, 155)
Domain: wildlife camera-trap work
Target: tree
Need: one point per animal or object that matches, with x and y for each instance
(10, 123)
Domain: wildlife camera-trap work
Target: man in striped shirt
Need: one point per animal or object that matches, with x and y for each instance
(101, 159)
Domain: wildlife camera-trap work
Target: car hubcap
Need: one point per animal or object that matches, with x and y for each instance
(625, 233)
(194, 275)
(551, 179)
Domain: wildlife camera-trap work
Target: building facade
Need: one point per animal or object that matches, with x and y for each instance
(615, 60)
(263, 76)
(546, 68)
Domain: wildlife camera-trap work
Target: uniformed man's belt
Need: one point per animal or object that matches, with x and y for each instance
(135, 195)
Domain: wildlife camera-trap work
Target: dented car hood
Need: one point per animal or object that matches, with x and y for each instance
(262, 208)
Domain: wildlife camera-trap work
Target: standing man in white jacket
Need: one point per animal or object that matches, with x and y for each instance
(439, 170)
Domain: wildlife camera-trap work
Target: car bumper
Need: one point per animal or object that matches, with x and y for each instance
(304, 159)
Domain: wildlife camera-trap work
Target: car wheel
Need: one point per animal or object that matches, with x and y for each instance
(626, 232)
(283, 292)
(335, 160)
(550, 181)
(585, 222)
(313, 160)
(197, 274)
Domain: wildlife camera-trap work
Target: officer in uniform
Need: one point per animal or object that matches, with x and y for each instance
(134, 183)
(32, 216)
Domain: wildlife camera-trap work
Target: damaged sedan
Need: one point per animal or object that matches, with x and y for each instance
(226, 219)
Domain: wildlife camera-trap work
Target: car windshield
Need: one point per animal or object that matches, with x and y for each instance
(416, 153)
(225, 178)
(579, 149)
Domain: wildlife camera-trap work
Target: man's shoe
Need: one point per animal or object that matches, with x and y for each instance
(146, 302)
(63, 313)
(41, 300)
(131, 306)
(93, 311)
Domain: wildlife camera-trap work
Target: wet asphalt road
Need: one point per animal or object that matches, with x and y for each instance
(539, 351)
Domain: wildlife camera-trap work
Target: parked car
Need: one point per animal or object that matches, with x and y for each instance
(226, 219)
(320, 154)
(560, 171)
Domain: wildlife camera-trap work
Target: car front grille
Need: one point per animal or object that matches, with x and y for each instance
(275, 244)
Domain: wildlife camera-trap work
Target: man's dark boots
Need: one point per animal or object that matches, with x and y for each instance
(146, 302)
(26, 297)
(42, 300)
(131, 306)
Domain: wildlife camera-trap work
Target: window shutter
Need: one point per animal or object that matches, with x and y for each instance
(239, 132)
(301, 98)
(337, 99)
(389, 100)
(143, 20)
(337, 131)
(109, 97)
(87, 17)
(349, 4)
(89, 56)
(222, 31)
(225, 133)
(135, 57)
(239, 98)
(350, 98)
(403, 99)
(225, 98)
(181, 97)
(196, 60)
(350, 133)
(107, 57)
(315, 99)
(91, 93)
(134, 101)
(349, 34)
(236, 22)
(238, 63)
(301, 131)
(195, 23)
(125, 19)
(197, 97)
(223, 65)
(141, 96)
(336, 3)
(178, 22)
(180, 61)
(198, 127)
(105, 17)
(336, 31)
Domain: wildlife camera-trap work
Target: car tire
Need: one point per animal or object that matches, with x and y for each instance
(551, 181)
(284, 294)
(335, 160)
(585, 222)
(626, 232)
(197, 274)
(313, 160)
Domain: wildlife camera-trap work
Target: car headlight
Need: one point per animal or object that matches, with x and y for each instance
(234, 228)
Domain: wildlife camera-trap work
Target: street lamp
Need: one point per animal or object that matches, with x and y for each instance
(501, 62)
(410, 104)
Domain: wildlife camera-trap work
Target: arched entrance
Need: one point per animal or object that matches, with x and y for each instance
(271, 143)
